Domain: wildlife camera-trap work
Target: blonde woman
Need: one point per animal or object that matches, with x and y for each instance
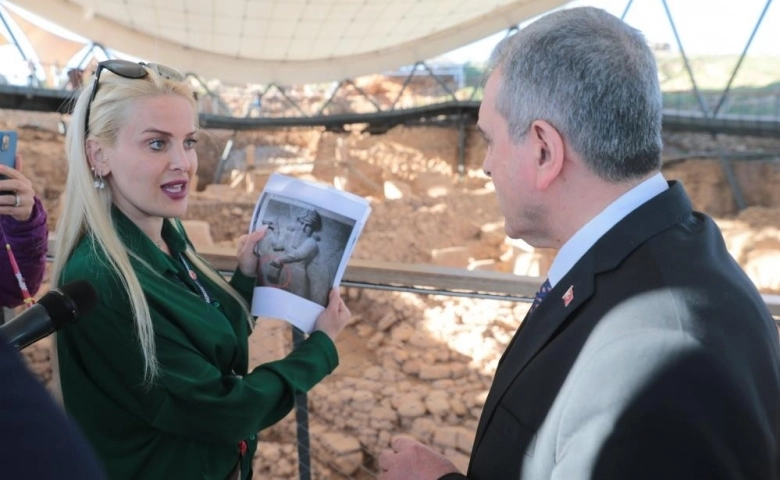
(157, 375)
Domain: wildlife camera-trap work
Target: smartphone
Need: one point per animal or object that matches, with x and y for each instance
(7, 149)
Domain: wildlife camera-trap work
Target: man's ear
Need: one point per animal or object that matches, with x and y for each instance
(97, 158)
(549, 151)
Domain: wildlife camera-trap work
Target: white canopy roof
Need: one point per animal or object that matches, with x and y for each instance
(286, 41)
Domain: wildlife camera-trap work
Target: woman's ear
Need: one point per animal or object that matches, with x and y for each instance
(96, 156)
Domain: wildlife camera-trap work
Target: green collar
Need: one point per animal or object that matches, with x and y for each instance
(141, 245)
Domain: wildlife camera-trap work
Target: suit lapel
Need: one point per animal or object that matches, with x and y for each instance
(536, 331)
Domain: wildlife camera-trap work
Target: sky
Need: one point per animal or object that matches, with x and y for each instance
(704, 26)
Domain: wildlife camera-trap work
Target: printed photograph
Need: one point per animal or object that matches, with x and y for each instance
(302, 248)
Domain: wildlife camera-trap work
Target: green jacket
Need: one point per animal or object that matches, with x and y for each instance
(190, 422)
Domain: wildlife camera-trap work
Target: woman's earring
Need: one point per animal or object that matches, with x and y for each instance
(99, 184)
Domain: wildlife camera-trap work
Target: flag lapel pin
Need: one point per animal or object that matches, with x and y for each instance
(568, 296)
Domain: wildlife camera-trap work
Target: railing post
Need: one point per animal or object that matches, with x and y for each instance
(302, 422)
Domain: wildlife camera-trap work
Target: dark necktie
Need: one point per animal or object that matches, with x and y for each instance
(543, 291)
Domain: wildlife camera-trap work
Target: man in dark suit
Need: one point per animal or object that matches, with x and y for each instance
(648, 353)
(37, 440)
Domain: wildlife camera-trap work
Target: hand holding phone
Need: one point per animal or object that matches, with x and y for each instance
(7, 150)
(17, 196)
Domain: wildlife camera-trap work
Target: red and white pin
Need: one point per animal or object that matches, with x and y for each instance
(568, 296)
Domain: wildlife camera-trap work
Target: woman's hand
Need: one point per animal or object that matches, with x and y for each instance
(335, 317)
(247, 260)
(18, 195)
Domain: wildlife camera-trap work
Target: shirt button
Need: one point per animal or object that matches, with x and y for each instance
(216, 304)
(252, 437)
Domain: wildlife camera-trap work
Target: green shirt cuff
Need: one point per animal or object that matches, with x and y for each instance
(323, 341)
(243, 284)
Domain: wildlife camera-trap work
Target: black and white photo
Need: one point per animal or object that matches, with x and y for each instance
(311, 232)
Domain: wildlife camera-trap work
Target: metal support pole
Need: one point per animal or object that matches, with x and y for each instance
(220, 104)
(103, 48)
(461, 148)
(223, 159)
(625, 11)
(302, 422)
(741, 58)
(13, 37)
(403, 87)
(724, 163)
(368, 97)
(86, 56)
(330, 97)
(440, 82)
(702, 103)
(292, 102)
(33, 78)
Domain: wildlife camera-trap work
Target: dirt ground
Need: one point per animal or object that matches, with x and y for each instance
(424, 212)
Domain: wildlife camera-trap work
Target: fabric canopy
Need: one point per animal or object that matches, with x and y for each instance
(286, 41)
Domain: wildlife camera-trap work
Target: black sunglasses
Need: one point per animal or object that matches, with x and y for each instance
(127, 69)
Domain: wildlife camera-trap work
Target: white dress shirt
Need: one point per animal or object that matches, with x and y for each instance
(592, 231)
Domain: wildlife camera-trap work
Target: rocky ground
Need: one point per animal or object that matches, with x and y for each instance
(417, 364)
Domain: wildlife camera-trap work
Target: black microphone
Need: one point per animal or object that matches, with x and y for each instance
(58, 308)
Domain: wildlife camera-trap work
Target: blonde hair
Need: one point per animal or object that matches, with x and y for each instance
(87, 210)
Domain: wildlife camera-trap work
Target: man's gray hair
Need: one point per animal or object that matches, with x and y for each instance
(591, 76)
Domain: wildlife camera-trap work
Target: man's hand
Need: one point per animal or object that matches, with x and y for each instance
(411, 460)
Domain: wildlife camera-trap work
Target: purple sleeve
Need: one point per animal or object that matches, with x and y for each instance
(29, 242)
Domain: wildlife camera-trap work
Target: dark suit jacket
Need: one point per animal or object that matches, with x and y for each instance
(664, 365)
(37, 441)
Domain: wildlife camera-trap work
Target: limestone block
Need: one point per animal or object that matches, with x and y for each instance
(383, 419)
(437, 402)
(460, 460)
(435, 372)
(412, 408)
(411, 367)
(199, 232)
(465, 437)
(397, 400)
(763, 267)
(455, 257)
(446, 437)
(395, 190)
(402, 332)
(255, 181)
(373, 372)
(432, 184)
(343, 451)
(219, 191)
(423, 428)
(269, 451)
(487, 264)
(383, 413)
(249, 155)
(457, 370)
(386, 321)
(458, 407)
(364, 331)
(375, 341)
(493, 234)
(530, 261)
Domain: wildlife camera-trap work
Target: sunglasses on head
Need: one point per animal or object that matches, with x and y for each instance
(131, 70)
